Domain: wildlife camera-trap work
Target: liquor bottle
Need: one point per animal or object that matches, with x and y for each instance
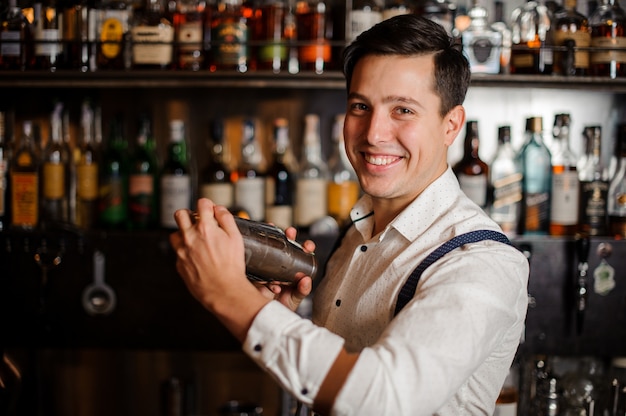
(532, 39)
(617, 189)
(314, 35)
(248, 178)
(572, 38)
(481, 43)
(343, 186)
(536, 163)
(397, 7)
(175, 178)
(86, 171)
(608, 40)
(500, 25)
(280, 179)
(594, 188)
(565, 186)
(5, 157)
(113, 181)
(56, 175)
(24, 177)
(216, 182)
(471, 171)
(112, 21)
(271, 36)
(189, 20)
(142, 180)
(77, 44)
(364, 15)
(439, 11)
(505, 184)
(48, 31)
(152, 36)
(229, 37)
(506, 403)
(312, 178)
(15, 39)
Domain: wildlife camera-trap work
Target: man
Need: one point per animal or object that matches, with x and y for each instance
(448, 351)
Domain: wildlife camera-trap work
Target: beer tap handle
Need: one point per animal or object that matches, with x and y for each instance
(582, 247)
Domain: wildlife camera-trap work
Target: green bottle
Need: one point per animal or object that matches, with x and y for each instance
(142, 182)
(113, 184)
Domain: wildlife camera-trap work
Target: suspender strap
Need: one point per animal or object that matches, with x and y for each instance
(408, 290)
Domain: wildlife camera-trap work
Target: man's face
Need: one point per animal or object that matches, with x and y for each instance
(395, 137)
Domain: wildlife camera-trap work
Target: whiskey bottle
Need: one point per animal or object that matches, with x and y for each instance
(471, 171)
(229, 37)
(312, 179)
(608, 41)
(280, 179)
(248, 178)
(5, 157)
(152, 37)
(572, 38)
(565, 186)
(481, 43)
(532, 39)
(112, 20)
(314, 35)
(87, 171)
(176, 189)
(271, 36)
(24, 177)
(594, 188)
(617, 189)
(78, 48)
(16, 41)
(505, 184)
(142, 181)
(216, 182)
(56, 175)
(501, 26)
(189, 19)
(113, 181)
(48, 28)
(364, 15)
(536, 163)
(343, 185)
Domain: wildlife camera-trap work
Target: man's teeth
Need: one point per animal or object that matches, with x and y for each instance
(379, 160)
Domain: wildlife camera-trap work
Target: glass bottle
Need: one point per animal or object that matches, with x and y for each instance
(481, 43)
(113, 181)
(87, 171)
(77, 45)
(343, 186)
(571, 30)
(594, 187)
(229, 37)
(500, 25)
(56, 172)
(314, 35)
(532, 39)
(249, 180)
(175, 191)
(506, 403)
(216, 182)
(617, 189)
(364, 15)
(152, 37)
(272, 37)
(25, 177)
(189, 20)
(471, 171)
(5, 157)
(142, 180)
(16, 41)
(565, 186)
(505, 183)
(608, 40)
(439, 11)
(112, 21)
(312, 179)
(536, 163)
(280, 182)
(48, 31)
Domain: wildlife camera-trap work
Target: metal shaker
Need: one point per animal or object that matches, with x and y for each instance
(271, 256)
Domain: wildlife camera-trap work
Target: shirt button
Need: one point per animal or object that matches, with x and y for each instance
(304, 391)
(363, 249)
(338, 302)
(258, 347)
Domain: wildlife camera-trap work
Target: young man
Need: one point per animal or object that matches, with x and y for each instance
(449, 349)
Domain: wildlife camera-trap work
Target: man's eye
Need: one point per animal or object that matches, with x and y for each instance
(403, 111)
(359, 107)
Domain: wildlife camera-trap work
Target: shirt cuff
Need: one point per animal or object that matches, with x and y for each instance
(296, 352)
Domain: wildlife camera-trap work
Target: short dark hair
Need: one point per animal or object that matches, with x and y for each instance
(415, 35)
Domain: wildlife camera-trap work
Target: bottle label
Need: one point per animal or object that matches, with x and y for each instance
(48, 44)
(564, 201)
(24, 199)
(341, 198)
(113, 201)
(279, 215)
(111, 34)
(87, 182)
(475, 187)
(614, 50)
(311, 201)
(582, 39)
(231, 39)
(10, 43)
(537, 207)
(53, 181)
(361, 20)
(250, 195)
(190, 36)
(140, 184)
(219, 193)
(152, 45)
(313, 53)
(175, 195)
(593, 210)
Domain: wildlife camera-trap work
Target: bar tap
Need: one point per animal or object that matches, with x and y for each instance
(582, 248)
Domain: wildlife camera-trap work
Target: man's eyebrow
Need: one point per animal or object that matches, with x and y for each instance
(388, 99)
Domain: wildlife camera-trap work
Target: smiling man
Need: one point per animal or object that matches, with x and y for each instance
(396, 330)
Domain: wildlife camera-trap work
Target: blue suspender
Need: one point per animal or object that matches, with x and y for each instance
(408, 290)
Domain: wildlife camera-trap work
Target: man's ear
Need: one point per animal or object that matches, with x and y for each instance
(453, 123)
